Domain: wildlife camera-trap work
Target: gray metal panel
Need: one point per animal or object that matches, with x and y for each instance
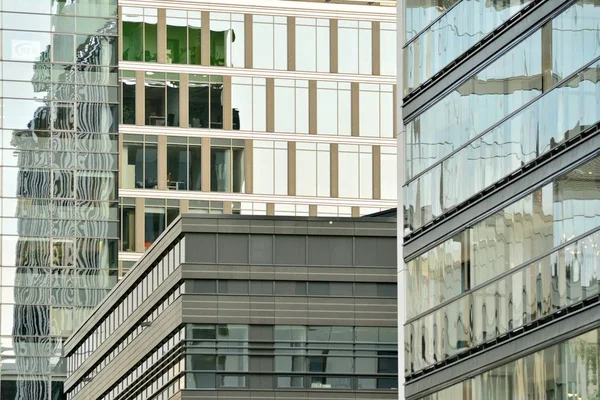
(261, 249)
(376, 251)
(290, 250)
(330, 250)
(533, 178)
(201, 247)
(561, 329)
(233, 248)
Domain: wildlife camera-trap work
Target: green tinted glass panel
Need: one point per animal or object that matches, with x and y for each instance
(132, 41)
(150, 53)
(177, 44)
(195, 45)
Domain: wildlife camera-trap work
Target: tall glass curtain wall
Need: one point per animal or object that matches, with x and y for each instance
(568, 370)
(59, 163)
(505, 115)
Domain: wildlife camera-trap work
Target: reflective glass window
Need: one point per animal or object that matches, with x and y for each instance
(227, 165)
(127, 224)
(355, 171)
(388, 48)
(475, 105)
(450, 36)
(249, 103)
(227, 40)
(313, 178)
(312, 44)
(355, 47)
(291, 106)
(334, 108)
(269, 42)
(184, 163)
(206, 101)
(158, 214)
(270, 167)
(128, 83)
(139, 162)
(376, 104)
(162, 99)
(140, 34)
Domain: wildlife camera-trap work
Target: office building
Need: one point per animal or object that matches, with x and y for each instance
(501, 200)
(59, 183)
(254, 107)
(267, 110)
(224, 307)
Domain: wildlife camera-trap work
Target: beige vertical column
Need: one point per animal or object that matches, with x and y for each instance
(205, 162)
(312, 107)
(395, 122)
(334, 160)
(184, 101)
(120, 175)
(161, 40)
(333, 45)
(248, 46)
(547, 78)
(139, 224)
(312, 210)
(355, 101)
(270, 105)
(291, 43)
(270, 209)
(376, 159)
(140, 98)
(249, 165)
(205, 38)
(161, 162)
(120, 27)
(184, 206)
(227, 110)
(292, 168)
(376, 47)
(355, 211)
(227, 207)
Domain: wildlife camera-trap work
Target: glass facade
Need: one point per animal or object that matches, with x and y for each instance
(245, 129)
(60, 215)
(568, 370)
(501, 199)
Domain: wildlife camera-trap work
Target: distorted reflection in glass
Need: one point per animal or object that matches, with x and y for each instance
(453, 120)
(449, 37)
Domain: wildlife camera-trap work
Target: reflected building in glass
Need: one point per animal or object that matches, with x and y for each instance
(278, 108)
(59, 183)
(501, 200)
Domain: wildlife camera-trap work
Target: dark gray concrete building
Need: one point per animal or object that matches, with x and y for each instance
(233, 307)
